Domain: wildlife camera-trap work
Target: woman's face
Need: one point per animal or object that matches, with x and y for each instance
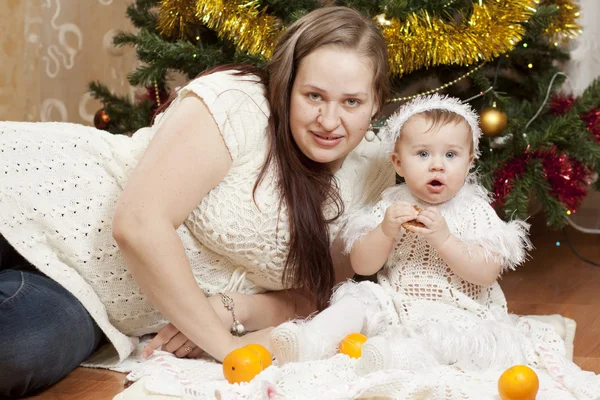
(331, 105)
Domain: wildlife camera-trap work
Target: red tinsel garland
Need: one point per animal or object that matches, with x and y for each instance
(568, 178)
(592, 122)
(561, 104)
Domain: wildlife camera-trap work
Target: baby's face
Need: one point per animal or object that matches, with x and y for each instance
(434, 163)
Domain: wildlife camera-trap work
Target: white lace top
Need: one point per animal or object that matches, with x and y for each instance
(60, 183)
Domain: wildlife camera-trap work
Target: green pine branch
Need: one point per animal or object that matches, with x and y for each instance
(448, 9)
(141, 15)
(589, 99)
(516, 204)
(125, 116)
(540, 20)
(554, 211)
(289, 11)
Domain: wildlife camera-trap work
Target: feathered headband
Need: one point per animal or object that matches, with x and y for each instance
(391, 130)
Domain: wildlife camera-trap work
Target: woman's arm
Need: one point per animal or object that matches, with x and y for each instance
(261, 311)
(257, 312)
(186, 158)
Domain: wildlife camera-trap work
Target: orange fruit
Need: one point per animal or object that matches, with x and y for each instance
(264, 355)
(519, 382)
(351, 345)
(241, 365)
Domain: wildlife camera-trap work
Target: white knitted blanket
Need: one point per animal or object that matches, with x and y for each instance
(164, 376)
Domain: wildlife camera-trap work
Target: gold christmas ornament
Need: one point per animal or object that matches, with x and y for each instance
(492, 121)
(101, 119)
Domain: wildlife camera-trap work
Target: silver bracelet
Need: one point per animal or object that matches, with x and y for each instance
(237, 329)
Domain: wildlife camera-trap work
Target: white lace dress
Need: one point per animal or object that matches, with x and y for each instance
(59, 184)
(424, 303)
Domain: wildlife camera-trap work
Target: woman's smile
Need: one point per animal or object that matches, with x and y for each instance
(328, 140)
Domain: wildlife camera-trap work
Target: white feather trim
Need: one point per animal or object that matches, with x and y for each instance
(391, 130)
(362, 221)
(489, 344)
(469, 215)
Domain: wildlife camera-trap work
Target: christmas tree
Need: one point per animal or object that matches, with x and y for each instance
(501, 56)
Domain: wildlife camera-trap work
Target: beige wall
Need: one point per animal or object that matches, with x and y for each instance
(51, 49)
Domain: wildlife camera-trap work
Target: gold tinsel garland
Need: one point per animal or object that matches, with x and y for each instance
(177, 17)
(563, 26)
(494, 28)
(253, 31)
(421, 41)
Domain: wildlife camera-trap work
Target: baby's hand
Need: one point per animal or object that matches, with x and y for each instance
(436, 230)
(395, 216)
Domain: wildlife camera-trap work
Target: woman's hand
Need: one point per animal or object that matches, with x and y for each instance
(170, 339)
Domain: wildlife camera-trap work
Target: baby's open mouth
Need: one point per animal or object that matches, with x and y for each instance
(435, 182)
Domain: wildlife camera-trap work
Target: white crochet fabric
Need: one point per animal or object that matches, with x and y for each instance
(60, 183)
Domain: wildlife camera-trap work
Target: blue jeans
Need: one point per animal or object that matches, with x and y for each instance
(45, 332)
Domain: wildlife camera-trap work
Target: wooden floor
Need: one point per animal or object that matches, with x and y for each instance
(553, 281)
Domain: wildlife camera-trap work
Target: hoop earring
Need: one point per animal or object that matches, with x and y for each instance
(370, 135)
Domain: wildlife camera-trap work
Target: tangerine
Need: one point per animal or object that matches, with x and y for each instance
(519, 382)
(351, 345)
(242, 365)
(265, 356)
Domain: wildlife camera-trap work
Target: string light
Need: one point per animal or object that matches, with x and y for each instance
(444, 86)
(156, 94)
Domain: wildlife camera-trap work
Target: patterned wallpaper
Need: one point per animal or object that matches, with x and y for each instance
(51, 49)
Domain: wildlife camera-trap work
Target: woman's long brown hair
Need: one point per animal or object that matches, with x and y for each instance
(307, 187)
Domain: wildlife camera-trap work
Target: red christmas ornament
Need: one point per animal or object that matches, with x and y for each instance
(591, 119)
(101, 119)
(561, 104)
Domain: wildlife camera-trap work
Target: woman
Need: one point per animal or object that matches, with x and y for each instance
(239, 187)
